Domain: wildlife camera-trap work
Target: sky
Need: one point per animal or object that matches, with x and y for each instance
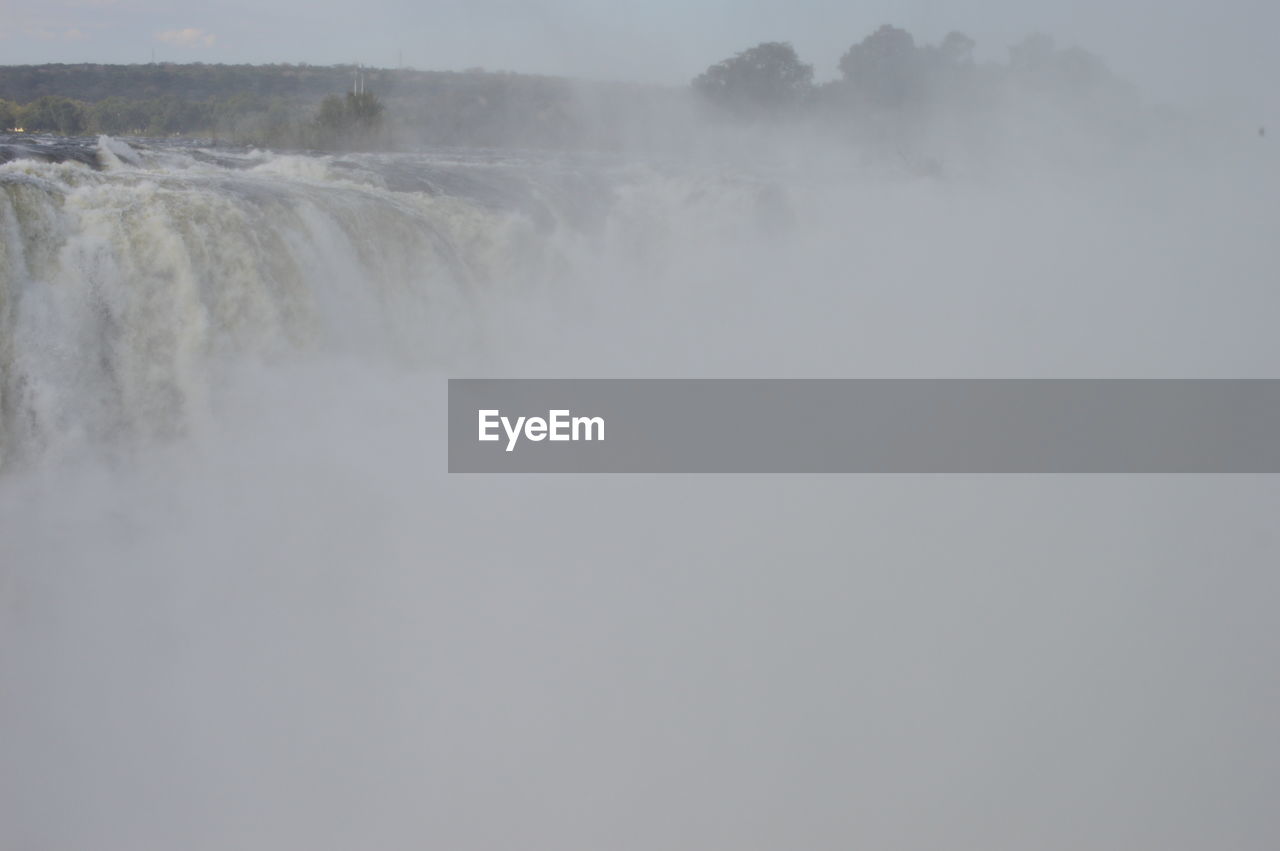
(1181, 50)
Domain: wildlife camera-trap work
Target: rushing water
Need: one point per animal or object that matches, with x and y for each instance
(125, 287)
(243, 607)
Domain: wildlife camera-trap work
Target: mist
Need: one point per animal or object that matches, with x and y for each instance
(244, 606)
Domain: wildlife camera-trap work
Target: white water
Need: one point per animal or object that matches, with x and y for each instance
(243, 607)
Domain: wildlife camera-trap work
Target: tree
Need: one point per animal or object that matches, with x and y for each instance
(1082, 71)
(352, 121)
(54, 114)
(767, 79)
(1034, 53)
(332, 115)
(884, 67)
(957, 49)
(365, 110)
(117, 116)
(8, 115)
(1037, 62)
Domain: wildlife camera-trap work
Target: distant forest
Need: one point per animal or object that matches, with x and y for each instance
(337, 107)
(281, 104)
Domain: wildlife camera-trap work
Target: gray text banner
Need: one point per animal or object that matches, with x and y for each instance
(864, 426)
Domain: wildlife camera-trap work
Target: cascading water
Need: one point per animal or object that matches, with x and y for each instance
(124, 288)
(243, 607)
(121, 287)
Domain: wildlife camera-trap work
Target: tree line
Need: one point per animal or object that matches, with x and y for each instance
(395, 108)
(163, 116)
(297, 106)
(196, 81)
(339, 122)
(889, 70)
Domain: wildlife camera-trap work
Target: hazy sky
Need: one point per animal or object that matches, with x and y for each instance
(1171, 48)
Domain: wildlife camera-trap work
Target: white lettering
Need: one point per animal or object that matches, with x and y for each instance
(558, 426)
(487, 422)
(593, 427)
(513, 434)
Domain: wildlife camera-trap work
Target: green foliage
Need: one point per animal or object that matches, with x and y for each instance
(116, 116)
(365, 110)
(195, 82)
(53, 114)
(1033, 54)
(885, 67)
(1039, 64)
(956, 49)
(291, 106)
(768, 79)
(171, 116)
(353, 121)
(276, 105)
(889, 71)
(332, 116)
